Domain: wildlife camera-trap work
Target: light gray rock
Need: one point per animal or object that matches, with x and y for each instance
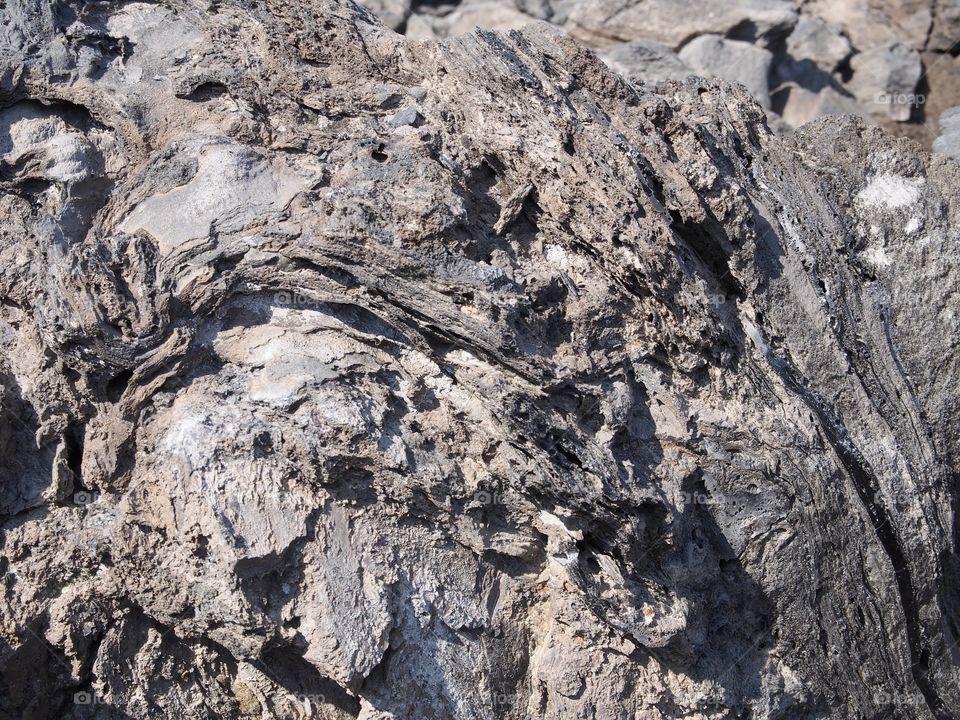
(950, 119)
(885, 79)
(646, 61)
(823, 44)
(872, 23)
(574, 399)
(468, 15)
(945, 33)
(801, 105)
(407, 116)
(948, 142)
(676, 22)
(712, 55)
(393, 13)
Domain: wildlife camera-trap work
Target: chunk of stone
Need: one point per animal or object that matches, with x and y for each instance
(945, 33)
(885, 79)
(407, 116)
(824, 44)
(394, 13)
(948, 141)
(732, 60)
(574, 399)
(801, 105)
(675, 22)
(872, 23)
(646, 61)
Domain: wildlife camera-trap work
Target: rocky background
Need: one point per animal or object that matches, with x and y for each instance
(893, 62)
(350, 376)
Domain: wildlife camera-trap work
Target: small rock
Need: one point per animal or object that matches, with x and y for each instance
(885, 79)
(247, 702)
(803, 105)
(556, 11)
(674, 22)
(945, 35)
(731, 60)
(539, 9)
(871, 23)
(407, 116)
(813, 39)
(949, 141)
(646, 61)
(487, 14)
(394, 13)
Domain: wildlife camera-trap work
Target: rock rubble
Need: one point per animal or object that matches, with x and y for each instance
(801, 60)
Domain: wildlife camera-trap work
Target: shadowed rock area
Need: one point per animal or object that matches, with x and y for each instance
(350, 376)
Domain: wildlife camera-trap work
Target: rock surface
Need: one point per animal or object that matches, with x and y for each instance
(819, 42)
(948, 142)
(811, 44)
(945, 31)
(676, 22)
(887, 77)
(872, 23)
(731, 60)
(349, 376)
(646, 61)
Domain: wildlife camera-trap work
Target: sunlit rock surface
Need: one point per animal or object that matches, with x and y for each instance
(345, 375)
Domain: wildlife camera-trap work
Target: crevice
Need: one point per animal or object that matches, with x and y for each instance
(707, 244)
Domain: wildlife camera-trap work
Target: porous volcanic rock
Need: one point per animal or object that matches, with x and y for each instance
(344, 375)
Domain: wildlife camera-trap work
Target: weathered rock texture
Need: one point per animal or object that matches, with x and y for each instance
(349, 376)
(810, 58)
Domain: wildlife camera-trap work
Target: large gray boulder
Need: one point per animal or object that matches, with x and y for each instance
(346, 376)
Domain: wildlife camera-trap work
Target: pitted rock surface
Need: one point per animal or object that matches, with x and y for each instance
(346, 375)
